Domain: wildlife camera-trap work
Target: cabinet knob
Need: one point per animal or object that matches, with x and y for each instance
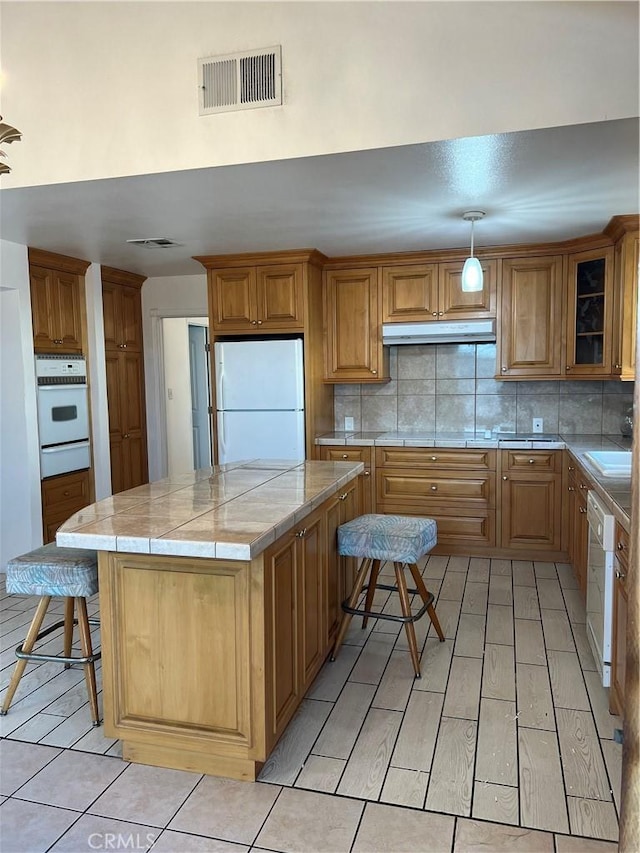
(620, 546)
(343, 496)
(374, 372)
(435, 313)
(124, 346)
(440, 313)
(568, 368)
(254, 322)
(345, 455)
(505, 477)
(583, 485)
(620, 575)
(434, 488)
(66, 494)
(504, 369)
(259, 322)
(583, 509)
(126, 435)
(570, 468)
(618, 366)
(300, 533)
(532, 462)
(367, 473)
(571, 489)
(434, 458)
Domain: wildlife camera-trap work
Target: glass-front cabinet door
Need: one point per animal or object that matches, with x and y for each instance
(590, 313)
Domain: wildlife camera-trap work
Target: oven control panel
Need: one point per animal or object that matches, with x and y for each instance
(61, 370)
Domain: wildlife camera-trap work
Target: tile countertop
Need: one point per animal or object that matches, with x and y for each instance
(615, 492)
(230, 512)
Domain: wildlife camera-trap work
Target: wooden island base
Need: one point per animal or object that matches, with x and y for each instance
(206, 660)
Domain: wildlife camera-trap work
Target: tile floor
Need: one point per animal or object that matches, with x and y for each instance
(505, 743)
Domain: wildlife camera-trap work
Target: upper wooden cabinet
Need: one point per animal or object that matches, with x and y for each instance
(353, 338)
(257, 298)
(121, 312)
(56, 301)
(589, 313)
(625, 275)
(530, 334)
(431, 292)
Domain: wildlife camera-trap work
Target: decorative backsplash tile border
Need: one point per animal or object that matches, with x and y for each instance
(450, 387)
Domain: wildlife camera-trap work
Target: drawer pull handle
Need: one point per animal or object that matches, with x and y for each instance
(504, 369)
(532, 462)
(345, 455)
(67, 493)
(367, 473)
(434, 488)
(583, 509)
(434, 458)
(571, 489)
(583, 485)
(505, 477)
(620, 575)
(571, 468)
(375, 372)
(343, 496)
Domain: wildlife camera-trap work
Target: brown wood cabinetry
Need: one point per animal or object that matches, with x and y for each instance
(62, 496)
(619, 639)
(56, 301)
(257, 632)
(578, 486)
(355, 454)
(531, 500)
(344, 506)
(125, 378)
(624, 230)
(252, 299)
(530, 334)
(456, 487)
(589, 313)
(432, 292)
(353, 337)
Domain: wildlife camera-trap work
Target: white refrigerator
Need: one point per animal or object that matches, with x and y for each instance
(259, 400)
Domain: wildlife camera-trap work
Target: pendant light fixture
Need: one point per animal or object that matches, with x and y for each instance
(472, 271)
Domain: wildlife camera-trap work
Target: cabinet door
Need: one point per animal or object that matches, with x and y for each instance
(279, 298)
(619, 646)
(530, 326)
(626, 266)
(133, 423)
(63, 496)
(355, 454)
(111, 316)
(410, 294)
(353, 338)
(311, 565)
(333, 572)
(351, 501)
(68, 313)
(42, 309)
(455, 304)
(589, 313)
(531, 511)
(233, 295)
(131, 319)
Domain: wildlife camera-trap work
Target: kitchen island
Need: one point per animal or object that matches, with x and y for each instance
(220, 596)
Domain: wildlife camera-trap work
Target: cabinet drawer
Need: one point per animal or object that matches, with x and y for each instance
(68, 491)
(457, 525)
(424, 490)
(436, 457)
(622, 546)
(346, 454)
(533, 460)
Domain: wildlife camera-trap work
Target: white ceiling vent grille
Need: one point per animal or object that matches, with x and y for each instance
(240, 81)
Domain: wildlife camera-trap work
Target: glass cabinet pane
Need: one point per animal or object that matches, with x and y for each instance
(590, 311)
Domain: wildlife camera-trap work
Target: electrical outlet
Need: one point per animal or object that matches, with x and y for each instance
(537, 425)
(348, 424)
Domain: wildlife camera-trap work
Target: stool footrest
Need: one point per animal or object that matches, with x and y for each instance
(57, 658)
(372, 614)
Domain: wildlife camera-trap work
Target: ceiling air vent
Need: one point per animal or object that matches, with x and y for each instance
(240, 81)
(154, 242)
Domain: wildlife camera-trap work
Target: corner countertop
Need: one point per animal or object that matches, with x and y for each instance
(231, 511)
(615, 492)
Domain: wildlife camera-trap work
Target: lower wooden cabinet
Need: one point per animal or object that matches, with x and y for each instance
(355, 454)
(578, 540)
(531, 500)
(127, 420)
(62, 496)
(619, 643)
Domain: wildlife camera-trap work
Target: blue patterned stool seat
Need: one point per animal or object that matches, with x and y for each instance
(400, 538)
(51, 570)
(70, 573)
(377, 539)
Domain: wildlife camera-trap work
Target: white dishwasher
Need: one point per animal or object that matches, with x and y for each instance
(600, 571)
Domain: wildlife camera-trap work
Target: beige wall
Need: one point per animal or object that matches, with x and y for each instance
(101, 89)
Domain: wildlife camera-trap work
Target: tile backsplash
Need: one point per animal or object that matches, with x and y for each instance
(450, 387)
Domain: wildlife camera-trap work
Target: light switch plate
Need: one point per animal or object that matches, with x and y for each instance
(348, 424)
(537, 425)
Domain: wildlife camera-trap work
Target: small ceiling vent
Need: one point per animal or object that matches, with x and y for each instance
(240, 81)
(154, 242)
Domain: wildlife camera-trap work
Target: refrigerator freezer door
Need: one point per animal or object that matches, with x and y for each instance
(260, 435)
(255, 375)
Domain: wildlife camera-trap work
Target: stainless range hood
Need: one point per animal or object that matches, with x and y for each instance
(440, 332)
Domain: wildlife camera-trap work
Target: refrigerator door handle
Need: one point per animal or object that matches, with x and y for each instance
(221, 441)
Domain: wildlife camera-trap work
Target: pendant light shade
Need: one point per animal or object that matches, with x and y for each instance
(472, 270)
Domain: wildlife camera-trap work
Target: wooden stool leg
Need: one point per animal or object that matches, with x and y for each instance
(424, 594)
(27, 646)
(68, 629)
(406, 611)
(353, 599)
(373, 580)
(87, 650)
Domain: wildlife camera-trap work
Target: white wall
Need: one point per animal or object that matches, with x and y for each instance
(175, 296)
(20, 505)
(177, 382)
(98, 383)
(106, 89)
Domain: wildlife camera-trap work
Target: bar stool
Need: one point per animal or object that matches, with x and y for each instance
(377, 539)
(71, 573)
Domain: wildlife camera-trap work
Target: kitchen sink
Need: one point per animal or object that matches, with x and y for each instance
(611, 463)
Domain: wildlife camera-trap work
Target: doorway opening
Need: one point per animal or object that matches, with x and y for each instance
(187, 393)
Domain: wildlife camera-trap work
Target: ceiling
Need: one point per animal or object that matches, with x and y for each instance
(535, 186)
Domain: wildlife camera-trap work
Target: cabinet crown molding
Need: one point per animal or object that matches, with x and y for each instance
(290, 256)
(618, 226)
(115, 276)
(53, 261)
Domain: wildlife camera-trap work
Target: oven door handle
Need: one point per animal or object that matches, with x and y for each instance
(75, 387)
(57, 448)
